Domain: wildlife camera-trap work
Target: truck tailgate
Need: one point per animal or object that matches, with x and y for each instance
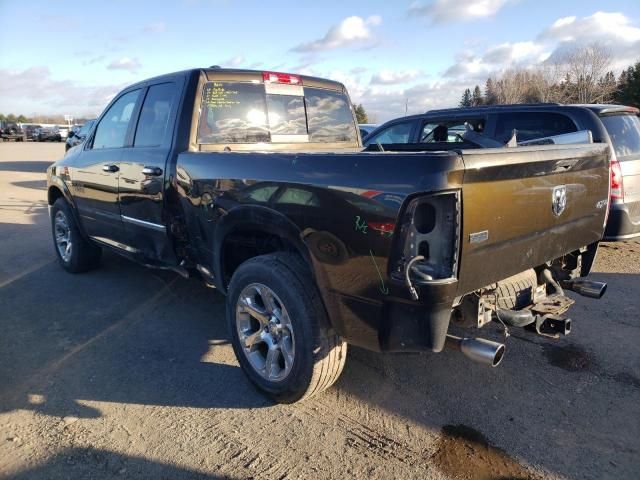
(512, 208)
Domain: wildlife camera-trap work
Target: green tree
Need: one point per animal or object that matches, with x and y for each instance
(476, 97)
(490, 95)
(2, 117)
(628, 92)
(466, 98)
(361, 114)
(11, 118)
(22, 119)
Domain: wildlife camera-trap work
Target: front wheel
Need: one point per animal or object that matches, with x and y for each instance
(75, 253)
(279, 328)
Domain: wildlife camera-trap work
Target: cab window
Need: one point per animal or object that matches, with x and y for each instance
(112, 130)
(531, 125)
(155, 115)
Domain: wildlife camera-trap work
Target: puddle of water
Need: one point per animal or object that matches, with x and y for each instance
(568, 357)
(465, 453)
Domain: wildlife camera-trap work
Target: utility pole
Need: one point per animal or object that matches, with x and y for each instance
(406, 106)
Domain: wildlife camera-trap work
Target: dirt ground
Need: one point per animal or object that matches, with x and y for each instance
(126, 372)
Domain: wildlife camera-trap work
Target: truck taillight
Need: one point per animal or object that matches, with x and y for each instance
(617, 191)
(274, 77)
(382, 227)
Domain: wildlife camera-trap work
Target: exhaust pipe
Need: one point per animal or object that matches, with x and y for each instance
(478, 349)
(586, 288)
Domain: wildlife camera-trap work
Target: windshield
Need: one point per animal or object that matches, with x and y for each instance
(236, 112)
(624, 131)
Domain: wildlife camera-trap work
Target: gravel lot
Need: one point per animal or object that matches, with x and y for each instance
(126, 372)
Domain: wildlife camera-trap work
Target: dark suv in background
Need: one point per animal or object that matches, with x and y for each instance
(617, 125)
(77, 135)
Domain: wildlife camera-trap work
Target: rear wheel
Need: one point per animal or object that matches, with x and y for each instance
(75, 254)
(279, 328)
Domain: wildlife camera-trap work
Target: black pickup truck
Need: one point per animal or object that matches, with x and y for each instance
(257, 181)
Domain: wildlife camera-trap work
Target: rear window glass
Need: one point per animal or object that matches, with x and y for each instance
(329, 116)
(624, 131)
(235, 112)
(531, 125)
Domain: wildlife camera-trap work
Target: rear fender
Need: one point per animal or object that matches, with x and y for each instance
(255, 218)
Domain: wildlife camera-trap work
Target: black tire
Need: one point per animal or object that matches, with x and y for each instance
(83, 255)
(320, 353)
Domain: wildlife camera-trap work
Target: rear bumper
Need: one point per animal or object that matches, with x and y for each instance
(623, 222)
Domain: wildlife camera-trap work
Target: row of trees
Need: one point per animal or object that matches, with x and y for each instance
(11, 118)
(580, 76)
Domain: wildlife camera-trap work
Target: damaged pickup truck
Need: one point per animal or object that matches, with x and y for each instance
(257, 182)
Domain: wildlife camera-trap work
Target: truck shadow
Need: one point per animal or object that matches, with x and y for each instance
(123, 334)
(98, 463)
(25, 167)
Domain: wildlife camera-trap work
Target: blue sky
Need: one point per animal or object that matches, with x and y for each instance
(67, 58)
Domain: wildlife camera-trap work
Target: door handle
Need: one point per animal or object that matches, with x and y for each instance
(152, 171)
(110, 168)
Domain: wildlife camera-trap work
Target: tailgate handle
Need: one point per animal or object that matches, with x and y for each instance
(110, 168)
(565, 164)
(152, 171)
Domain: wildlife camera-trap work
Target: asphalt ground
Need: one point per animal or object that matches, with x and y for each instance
(126, 372)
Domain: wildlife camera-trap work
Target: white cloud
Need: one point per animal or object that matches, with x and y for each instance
(394, 77)
(33, 90)
(156, 27)
(352, 31)
(444, 11)
(125, 63)
(612, 30)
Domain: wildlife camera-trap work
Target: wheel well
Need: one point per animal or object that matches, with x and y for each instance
(53, 195)
(241, 245)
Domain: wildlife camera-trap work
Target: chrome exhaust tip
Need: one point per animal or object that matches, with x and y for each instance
(586, 288)
(478, 349)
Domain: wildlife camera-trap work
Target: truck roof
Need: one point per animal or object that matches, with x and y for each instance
(237, 74)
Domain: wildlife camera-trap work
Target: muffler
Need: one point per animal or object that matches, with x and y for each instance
(586, 288)
(478, 349)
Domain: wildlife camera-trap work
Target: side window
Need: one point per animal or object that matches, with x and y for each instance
(449, 131)
(154, 116)
(530, 125)
(398, 133)
(112, 129)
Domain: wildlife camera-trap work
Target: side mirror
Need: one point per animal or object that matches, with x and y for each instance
(71, 134)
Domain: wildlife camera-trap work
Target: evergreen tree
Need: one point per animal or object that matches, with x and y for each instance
(490, 96)
(361, 114)
(476, 98)
(628, 92)
(466, 98)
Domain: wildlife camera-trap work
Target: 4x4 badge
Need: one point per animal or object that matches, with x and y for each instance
(559, 199)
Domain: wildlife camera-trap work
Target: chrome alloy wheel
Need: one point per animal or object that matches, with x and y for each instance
(265, 332)
(62, 233)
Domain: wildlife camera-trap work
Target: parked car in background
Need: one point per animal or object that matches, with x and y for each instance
(12, 131)
(29, 129)
(63, 130)
(366, 128)
(617, 125)
(47, 134)
(77, 134)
